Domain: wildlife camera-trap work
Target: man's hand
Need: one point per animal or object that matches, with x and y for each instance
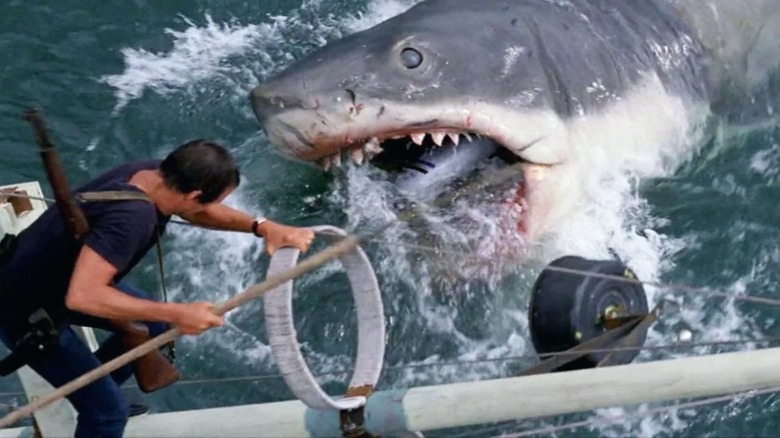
(195, 318)
(278, 235)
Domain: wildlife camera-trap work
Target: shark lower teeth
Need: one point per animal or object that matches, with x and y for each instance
(325, 163)
(372, 147)
(356, 155)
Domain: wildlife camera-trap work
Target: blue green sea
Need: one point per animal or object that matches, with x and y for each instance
(125, 80)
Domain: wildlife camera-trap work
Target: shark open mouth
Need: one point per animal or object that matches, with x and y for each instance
(437, 166)
(430, 151)
(410, 152)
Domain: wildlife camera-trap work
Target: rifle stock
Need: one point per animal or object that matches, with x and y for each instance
(152, 371)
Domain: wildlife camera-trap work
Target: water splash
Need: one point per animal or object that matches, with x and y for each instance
(198, 53)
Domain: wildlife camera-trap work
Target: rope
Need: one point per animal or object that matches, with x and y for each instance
(342, 247)
(25, 196)
(347, 244)
(313, 262)
(472, 362)
(661, 410)
(471, 256)
(546, 430)
(468, 255)
(524, 357)
(673, 286)
(430, 249)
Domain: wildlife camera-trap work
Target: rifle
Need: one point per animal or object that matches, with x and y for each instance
(154, 370)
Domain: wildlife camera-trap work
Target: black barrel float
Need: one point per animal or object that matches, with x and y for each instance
(568, 308)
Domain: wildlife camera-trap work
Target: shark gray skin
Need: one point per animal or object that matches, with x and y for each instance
(558, 83)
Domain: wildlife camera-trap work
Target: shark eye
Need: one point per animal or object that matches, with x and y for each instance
(411, 58)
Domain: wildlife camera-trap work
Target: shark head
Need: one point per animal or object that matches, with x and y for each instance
(544, 82)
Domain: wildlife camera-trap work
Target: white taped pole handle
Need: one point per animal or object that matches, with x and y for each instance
(371, 329)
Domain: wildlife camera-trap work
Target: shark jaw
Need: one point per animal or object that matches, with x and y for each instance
(644, 133)
(362, 132)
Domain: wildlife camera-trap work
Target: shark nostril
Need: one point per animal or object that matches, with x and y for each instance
(351, 95)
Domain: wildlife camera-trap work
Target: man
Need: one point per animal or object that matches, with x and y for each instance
(78, 281)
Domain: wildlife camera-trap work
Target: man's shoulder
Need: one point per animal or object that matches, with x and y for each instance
(129, 168)
(139, 212)
(136, 165)
(117, 176)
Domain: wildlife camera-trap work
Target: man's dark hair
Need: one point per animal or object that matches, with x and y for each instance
(200, 165)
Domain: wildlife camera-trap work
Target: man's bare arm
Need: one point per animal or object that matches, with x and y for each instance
(222, 217)
(90, 293)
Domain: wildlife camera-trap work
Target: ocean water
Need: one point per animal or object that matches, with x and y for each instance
(134, 79)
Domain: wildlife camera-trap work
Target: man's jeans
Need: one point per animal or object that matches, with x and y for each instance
(102, 410)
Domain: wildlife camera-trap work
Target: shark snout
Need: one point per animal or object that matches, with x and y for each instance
(268, 101)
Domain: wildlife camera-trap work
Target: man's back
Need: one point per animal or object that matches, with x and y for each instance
(39, 272)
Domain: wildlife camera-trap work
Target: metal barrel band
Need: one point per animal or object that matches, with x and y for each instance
(371, 329)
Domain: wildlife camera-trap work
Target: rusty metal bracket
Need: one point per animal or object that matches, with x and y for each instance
(352, 421)
(632, 336)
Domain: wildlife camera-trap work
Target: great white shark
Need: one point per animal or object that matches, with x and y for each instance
(556, 84)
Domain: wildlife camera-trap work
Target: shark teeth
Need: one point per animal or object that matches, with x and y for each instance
(359, 154)
(356, 155)
(438, 138)
(372, 147)
(324, 163)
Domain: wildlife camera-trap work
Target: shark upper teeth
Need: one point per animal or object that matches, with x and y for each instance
(438, 138)
(372, 147)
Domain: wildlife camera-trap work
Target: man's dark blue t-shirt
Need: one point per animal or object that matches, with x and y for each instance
(121, 232)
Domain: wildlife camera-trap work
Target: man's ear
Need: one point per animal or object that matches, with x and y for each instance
(194, 195)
